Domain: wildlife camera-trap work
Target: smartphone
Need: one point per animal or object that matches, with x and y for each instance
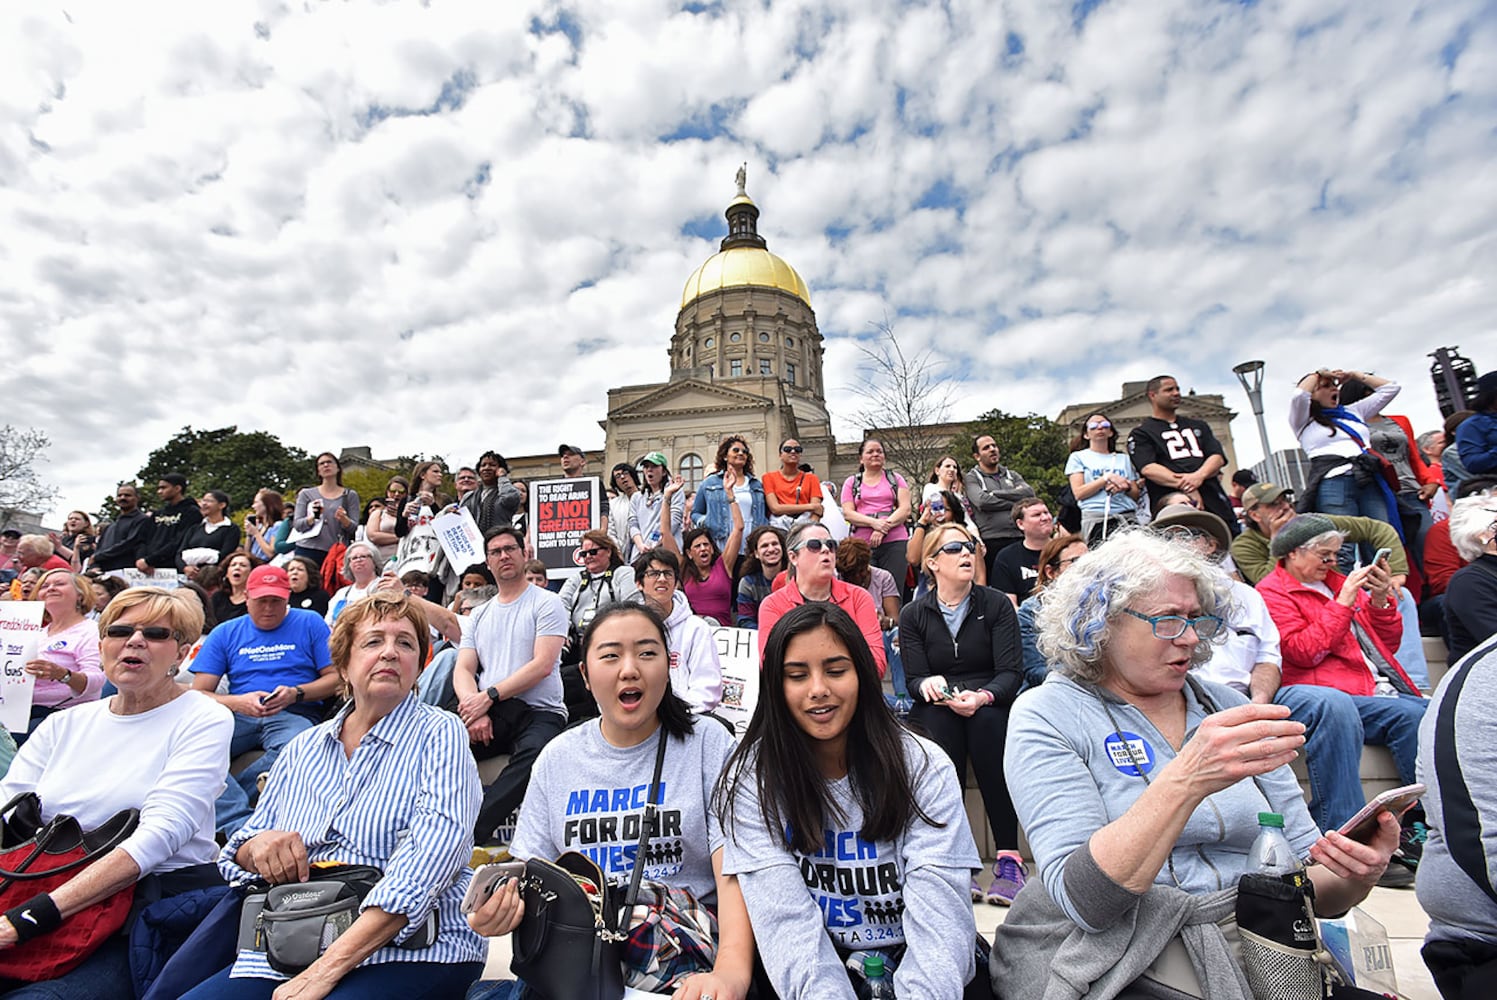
(1396, 801)
(487, 880)
(938, 506)
(1381, 555)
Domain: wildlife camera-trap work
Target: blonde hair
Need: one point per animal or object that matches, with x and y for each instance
(180, 607)
(81, 587)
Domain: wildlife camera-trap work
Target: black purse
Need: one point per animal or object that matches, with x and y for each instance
(570, 942)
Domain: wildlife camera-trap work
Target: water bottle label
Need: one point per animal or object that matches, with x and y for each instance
(1130, 753)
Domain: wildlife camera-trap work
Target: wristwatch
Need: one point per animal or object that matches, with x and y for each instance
(493, 692)
(300, 694)
(67, 677)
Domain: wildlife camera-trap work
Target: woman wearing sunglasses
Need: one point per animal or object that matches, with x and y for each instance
(813, 577)
(963, 667)
(734, 475)
(154, 746)
(1136, 782)
(1105, 483)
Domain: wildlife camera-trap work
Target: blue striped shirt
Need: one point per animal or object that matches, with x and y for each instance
(405, 802)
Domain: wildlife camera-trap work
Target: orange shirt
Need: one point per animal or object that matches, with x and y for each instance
(803, 489)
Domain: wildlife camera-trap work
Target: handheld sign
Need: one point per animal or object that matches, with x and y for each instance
(20, 637)
(561, 512)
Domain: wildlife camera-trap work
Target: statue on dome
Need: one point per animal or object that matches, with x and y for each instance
(743, 181)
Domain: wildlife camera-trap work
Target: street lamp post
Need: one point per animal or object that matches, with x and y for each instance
(1250, 374)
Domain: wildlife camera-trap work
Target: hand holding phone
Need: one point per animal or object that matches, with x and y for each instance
(487, 880)
(1396, 801)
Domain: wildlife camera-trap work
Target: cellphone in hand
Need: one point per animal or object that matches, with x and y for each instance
(487, 880)
(1396, 801)
(1381, 554)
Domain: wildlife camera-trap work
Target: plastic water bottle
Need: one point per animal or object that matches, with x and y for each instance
(876, 985)
(1271, 853)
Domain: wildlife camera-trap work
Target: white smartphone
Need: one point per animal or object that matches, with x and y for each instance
(1380, 556)
(1395, 801)
(487, 880)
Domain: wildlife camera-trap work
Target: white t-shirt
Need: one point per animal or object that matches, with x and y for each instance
(170, 763)
(504, 637)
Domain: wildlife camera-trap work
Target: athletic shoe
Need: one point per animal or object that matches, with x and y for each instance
(1411, 844)
(1397, 877)
(1008, 878)
(977, 894)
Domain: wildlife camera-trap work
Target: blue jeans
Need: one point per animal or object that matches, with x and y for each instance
(1410, 652)
(1337, 725)
(270, 734)
(406, 980)
(104, 975)
(435, 681)
(1341, 495)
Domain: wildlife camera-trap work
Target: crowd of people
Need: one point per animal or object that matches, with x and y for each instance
(1127, 671)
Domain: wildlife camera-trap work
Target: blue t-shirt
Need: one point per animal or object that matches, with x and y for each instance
(295, 652)
(1094, 465)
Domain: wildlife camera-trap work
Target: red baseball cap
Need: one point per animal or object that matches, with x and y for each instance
(268, 581)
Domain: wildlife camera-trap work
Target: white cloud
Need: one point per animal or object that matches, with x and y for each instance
(291, 218)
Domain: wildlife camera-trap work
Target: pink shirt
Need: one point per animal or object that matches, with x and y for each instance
(712, 598)
(879, 499)
(75, 648)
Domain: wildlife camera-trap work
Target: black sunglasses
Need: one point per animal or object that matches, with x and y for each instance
(152, 633)
(589, 553)
(791, 449)
(952, 548)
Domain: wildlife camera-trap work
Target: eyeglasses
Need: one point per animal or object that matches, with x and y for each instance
(817, 544)
(1063, 563)
(1099, 425)
(791, 449)
(152, 633)
(1326, 556)
(503, 550)
(952, 548)
(589, 553)
(660, 574)
(1174, 626)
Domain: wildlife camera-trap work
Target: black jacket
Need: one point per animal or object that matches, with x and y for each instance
(169, 526)
(985, 654)
(119, 546)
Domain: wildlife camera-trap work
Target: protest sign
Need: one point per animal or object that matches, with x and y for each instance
(561, 511)
(21, 634)
(460, 539)
(164, 578)
(738, 653)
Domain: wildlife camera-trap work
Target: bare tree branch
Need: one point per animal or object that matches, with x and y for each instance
(906, 399)
(21, 491)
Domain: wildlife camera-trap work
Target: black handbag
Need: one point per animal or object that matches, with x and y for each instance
(570, 942)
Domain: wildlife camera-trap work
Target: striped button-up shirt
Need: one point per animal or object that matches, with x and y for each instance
(405, 803)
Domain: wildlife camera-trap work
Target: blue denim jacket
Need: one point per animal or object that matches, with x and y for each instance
(711, 508)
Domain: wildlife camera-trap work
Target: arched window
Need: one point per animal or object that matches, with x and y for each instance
(690, 470)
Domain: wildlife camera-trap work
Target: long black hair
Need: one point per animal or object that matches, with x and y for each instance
(776, 754)
(673, 712)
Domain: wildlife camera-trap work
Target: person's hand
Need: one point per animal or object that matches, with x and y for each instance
(1190, 482)
(1380, 581)
(143, 566)
(278, 856)
(966, 703)
(709, 984)
(500, 913)
(816, 507)
(1355, 861)
(877, 538)
(44, 670)
(1428, 490)
(341, 516)
(933, 689)
(1351, 587)
(673, 487)
(282, 697)
(8, 936)
(250, 704)
(482, 731)
(312, 983)
(474, 707)
(1241, 742)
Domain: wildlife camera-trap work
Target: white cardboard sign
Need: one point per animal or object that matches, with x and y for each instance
(20, 636)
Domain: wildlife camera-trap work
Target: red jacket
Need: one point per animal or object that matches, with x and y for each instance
(1441, 560)
(854, 600)
(1316, 638)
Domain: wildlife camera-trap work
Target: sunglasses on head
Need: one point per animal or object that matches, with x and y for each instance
(817, 544)
(152, 633)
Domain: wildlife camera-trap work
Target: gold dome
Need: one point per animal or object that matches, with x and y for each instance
(739, 266)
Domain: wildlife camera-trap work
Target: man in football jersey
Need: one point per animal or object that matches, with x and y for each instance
(1180, 453)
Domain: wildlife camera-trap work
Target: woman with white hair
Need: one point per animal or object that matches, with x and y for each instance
(1139, 786)
(1471, 595)
(361, 564)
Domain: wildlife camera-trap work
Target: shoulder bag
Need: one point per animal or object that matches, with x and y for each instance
(37, 857)
(570, 942)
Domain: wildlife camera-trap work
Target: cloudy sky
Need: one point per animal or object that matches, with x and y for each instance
(448, 226)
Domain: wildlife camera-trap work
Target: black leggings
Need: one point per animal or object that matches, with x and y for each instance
(981, 738)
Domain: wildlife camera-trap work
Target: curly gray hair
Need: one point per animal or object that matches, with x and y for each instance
(1470, 519)
(1075, 617)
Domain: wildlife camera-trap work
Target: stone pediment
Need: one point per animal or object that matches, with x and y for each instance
(690, 396)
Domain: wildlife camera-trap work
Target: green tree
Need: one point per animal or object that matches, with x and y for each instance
(21, 490)
(1034, 446)
(227, 459)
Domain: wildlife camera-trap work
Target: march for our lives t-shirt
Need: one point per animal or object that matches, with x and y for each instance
(588, 795)
(294, 652)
